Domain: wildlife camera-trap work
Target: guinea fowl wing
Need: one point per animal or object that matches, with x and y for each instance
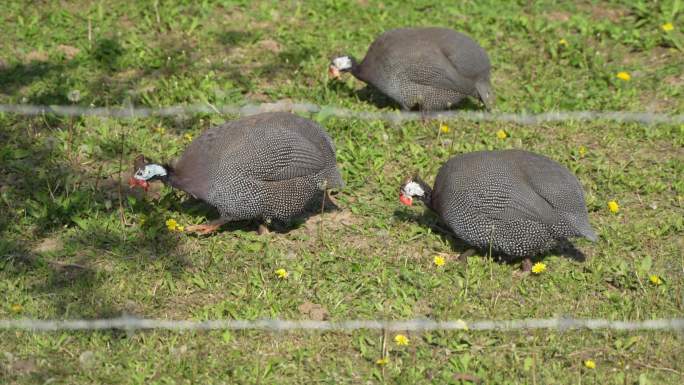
(526, 203)
(291, 153)
(457, 59)
(563, 191)
(438, 73)
(494, 186)
(468, 63)
(295, 162)
(544, 191)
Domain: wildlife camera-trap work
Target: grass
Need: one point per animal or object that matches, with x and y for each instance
(65, 252)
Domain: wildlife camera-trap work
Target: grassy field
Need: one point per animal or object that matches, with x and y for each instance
(75, 243)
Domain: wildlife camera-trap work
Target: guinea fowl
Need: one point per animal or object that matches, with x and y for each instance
(515, 202)
(268, 166)
(428, 68)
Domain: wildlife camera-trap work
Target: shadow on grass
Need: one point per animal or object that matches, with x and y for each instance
(46, 197)
(232, 38)
(17, 76)
(372, 95)
(55, 73)
(107, 52)
(368, 94)
(288, 60)
(429, 219)
(106, 74)
(72, 288)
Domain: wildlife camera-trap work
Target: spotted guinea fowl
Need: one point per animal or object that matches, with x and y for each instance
(267, 166)
(516, 202)
(428, 68)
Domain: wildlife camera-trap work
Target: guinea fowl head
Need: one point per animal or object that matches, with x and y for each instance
(415, 187)
(145, 172)
(341, 64)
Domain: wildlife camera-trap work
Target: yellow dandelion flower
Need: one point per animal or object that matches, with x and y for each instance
(613, 206)
(622, 75)
(282, 273)
(667, 27)
(501, 134)
(539, 268)
(187, 137)
(401, 340)
(439, 261)
(382, 361)
(590, 364)
(171, 224)
(656, 280)
(443, 128)
(16, 308)
(563, 42)
(582, 151)
(160, 130)
(180, 228)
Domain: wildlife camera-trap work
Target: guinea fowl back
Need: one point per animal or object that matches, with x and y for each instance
(518, 201)
(431, 67)
(300, 147)
(307, 168)
(262, 165)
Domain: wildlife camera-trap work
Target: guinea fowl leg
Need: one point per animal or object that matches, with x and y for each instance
(329, 202)
(463, 257)
(327, 197)
(424, 116)
(263, 229)
(207, 228)
(526, 265)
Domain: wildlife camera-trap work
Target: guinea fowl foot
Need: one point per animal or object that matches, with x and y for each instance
(262, 230)
(463, 257)
(329, 202)
(206, 228)
(424, 117)
(526, 265)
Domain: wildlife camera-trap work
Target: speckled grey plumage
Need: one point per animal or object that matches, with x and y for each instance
(517, 201)
(428, 68)
(267, 166)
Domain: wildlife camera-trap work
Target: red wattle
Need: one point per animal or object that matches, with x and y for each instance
(333, 72)
(408, 201)
(132, 183)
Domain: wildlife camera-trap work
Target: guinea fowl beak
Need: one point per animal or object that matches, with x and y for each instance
(133, 182)
(408, 201)
(333, 72)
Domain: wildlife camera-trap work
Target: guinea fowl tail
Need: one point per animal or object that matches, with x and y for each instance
(589, 233)
(583, 228)
(334, 179)
(484, 90)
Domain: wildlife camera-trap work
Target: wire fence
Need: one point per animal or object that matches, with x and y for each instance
(392, 116)
(131, 323)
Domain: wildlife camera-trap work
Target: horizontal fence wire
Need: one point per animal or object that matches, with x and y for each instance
(132, 323)
(392, 116)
